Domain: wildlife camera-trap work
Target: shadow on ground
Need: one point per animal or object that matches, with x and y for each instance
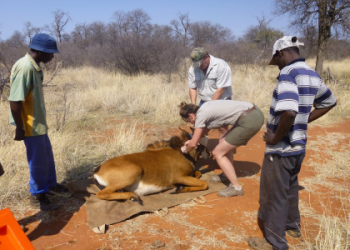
(51, 223)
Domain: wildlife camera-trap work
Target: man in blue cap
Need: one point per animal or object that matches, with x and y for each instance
(28, 114)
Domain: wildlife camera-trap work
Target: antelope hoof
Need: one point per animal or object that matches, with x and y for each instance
(138, 200)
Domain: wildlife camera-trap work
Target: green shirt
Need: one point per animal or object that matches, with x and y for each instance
(27, 86)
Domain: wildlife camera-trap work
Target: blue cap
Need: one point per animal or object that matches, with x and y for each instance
(44, 42)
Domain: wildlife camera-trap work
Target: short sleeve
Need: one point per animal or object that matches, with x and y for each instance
(224, 77)
(191, 79)
(20, 84)
(286, 94)
(324, 98)
(200, 119)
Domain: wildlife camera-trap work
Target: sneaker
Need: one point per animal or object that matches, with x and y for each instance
(40, 201)
(218, 178)
(259, 243)
(59, 188)
(294, 233)
(230, 191)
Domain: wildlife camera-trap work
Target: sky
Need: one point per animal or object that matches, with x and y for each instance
(237, 15)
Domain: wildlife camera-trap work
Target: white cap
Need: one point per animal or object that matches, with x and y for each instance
(283, 43)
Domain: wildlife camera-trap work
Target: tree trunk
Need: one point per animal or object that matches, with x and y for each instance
(323, 35)
(322, 43)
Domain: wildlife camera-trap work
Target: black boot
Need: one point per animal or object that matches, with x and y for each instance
(41, 202)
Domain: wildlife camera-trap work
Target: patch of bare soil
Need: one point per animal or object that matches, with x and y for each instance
(217, 223)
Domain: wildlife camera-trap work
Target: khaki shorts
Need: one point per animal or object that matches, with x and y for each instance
(245, 128)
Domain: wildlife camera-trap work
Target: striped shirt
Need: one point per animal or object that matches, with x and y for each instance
(299, 88)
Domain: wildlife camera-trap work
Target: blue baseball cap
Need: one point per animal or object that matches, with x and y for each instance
(44, 42)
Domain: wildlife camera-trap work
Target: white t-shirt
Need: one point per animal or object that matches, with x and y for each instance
(218, 75)
(218, 113)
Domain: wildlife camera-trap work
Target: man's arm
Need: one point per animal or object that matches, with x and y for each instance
(317, 113)
(193, 95)
(16, 108)
(286, 121)
(218, 93)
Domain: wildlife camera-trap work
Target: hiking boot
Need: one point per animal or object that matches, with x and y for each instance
(218, 178)
(40, 201)
(259, 243)
(294, 233)
(230, 191)
(59, 188)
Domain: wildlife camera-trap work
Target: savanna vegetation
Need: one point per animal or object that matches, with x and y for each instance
(129, 76)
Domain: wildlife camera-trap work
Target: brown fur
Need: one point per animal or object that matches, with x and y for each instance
(160, 167)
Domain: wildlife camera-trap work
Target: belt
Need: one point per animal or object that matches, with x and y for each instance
(246, 112)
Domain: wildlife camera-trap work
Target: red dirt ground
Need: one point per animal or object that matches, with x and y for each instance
(220, 223)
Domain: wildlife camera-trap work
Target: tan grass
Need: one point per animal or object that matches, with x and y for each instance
(332, 229)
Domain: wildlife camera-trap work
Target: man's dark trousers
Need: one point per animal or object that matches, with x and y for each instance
(279, 199)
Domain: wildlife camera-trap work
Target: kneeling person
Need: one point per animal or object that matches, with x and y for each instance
(246, 120)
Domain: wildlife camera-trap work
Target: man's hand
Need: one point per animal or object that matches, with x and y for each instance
(19, 136)
(269, 137)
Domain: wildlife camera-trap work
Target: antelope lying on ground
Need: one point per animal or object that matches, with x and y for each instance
(160, 167)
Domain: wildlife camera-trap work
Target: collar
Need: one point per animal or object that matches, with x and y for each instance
(35, 65)
(296, 60)
(212, 63)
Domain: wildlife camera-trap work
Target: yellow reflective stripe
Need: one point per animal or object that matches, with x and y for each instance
(28, 113)
(33, 63)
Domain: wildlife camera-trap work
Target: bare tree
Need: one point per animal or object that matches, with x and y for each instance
(310, 36)
(29, 31)
(205, 32)
(121, 24)
(328, 15)
(263, 36)
(61, 19)
(81, 35)
(98, 33)
(139, 21)
(181, 27)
